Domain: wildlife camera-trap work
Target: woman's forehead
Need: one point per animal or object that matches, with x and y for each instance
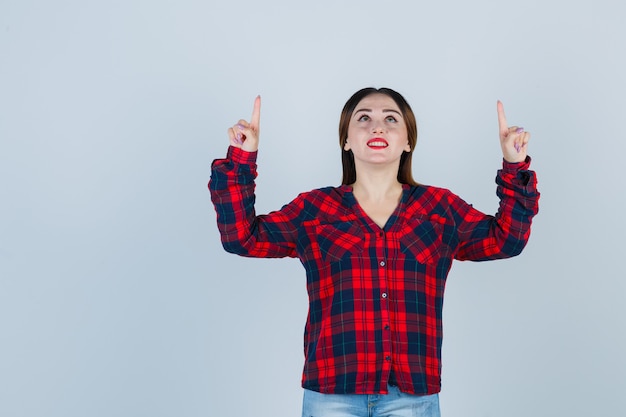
(377, 101)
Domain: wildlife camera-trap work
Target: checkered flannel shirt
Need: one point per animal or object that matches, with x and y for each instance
(375, 294)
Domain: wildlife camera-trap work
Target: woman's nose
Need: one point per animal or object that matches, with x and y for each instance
(377, 127)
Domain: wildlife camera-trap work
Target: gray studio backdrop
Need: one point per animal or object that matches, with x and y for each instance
(116, 298)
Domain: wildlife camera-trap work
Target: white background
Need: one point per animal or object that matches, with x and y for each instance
(116, 298)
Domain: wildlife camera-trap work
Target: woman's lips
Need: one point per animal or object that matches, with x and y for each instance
(377, 143)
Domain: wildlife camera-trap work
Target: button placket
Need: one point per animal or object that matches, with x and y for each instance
(381, 254)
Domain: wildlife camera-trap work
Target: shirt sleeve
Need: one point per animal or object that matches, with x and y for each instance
(243, 232)
(483, 237)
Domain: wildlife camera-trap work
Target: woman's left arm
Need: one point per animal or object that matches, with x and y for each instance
(483, 237)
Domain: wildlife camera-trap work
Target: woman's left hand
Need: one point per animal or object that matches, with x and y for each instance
(513, 140)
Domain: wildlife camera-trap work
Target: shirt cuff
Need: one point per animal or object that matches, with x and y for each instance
(239, 156)
(236, 156)
(515, 167)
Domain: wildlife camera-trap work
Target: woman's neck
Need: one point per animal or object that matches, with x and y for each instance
(377, 195)
(377, 186)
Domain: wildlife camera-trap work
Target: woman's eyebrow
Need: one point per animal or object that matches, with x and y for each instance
(384, 111)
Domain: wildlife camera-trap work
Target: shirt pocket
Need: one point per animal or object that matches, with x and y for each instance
(421, 238)
(339, 240)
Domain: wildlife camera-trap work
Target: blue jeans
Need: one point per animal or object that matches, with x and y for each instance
(394, 404)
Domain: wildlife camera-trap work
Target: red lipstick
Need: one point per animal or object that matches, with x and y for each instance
(377, 143)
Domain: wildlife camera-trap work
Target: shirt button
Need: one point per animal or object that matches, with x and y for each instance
(386, 327)
(387, 358)
(384, 295)
(382, 263)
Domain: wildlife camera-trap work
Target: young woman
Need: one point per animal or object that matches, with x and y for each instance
(376, 250)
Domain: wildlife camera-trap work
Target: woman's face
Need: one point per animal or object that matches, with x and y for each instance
(377, 132)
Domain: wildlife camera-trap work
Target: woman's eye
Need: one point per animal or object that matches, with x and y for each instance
(391, 119)
(364, 118)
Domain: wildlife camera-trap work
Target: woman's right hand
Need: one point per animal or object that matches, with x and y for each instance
(245, 135)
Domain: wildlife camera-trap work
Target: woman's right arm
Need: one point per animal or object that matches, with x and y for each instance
(232, 193)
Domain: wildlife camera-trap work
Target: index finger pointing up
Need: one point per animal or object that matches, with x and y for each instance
(504, 127)
(256, 113)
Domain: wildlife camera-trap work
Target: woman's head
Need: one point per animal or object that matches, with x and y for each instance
(405, 175)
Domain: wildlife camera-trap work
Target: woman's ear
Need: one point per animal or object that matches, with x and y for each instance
(346, 146)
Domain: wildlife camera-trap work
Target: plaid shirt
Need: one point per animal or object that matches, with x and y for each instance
(375, 295)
